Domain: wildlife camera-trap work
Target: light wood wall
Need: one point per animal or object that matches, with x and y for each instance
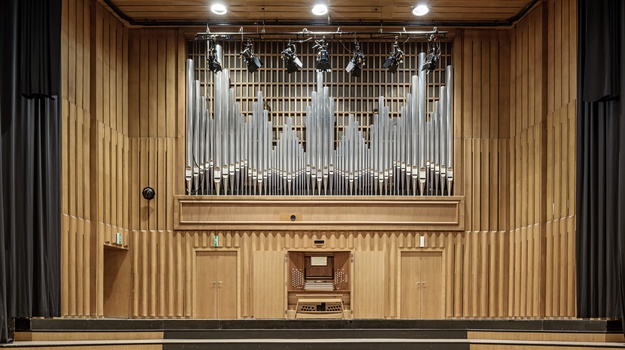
(156, 118)
(527, 164)
(123, 126)
(482, 113)
(95, 150)
(542, 162)
(561, 149)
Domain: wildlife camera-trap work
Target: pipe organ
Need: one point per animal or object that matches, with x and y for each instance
(228, 153)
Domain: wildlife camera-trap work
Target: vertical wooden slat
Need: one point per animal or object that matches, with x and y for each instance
(180, 272)
(188, 286)
(571, 263)
(458, 276)
(490, 278)
(483, 274)
(449, 280)
(486, 87)
(484, 166)
(475, 273)
(558, 54)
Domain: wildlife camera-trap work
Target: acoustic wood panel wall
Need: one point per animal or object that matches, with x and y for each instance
(481, 114)
(542, 162)
(561, 150)
(163, 268)
(123, 120)
(527, 164)
(95, 150)
(156, 119)
(481, 271)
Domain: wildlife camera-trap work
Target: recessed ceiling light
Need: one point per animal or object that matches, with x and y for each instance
(420, 10)
(219, 9)
(320, 9)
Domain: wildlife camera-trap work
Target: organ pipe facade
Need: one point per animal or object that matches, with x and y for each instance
(230, 153)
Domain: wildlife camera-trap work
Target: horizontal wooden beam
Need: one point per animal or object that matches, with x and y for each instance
(314, 213)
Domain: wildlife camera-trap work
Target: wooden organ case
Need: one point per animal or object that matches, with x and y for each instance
(319, 284)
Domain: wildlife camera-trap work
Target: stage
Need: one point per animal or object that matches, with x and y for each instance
(372, 334)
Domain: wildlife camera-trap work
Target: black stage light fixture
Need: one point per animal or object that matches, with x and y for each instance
(433, 56)
(213, 62)
(148, 193)
(293, 64)
(397, 56)
(434, 52)
(323, 57)
(252, 61)
(354, 67)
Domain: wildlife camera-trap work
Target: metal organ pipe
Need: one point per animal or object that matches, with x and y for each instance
(228, 153)
(190, 128)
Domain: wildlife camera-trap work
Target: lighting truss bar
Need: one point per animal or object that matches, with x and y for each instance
(309, 34)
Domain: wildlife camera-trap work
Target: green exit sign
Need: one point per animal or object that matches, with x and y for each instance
(215, 241)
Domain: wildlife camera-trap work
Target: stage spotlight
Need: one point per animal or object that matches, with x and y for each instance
(213, 62)
(396, 57)
(323, 57)
(354, 67)
(433, 56)
(252, 61)
(293, 64)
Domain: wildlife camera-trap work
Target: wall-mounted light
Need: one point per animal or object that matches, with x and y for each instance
(397, 56)
(319, 9)
(420, 10)
(253, 62)
(292, 63)
(323, 56)
(148, 193)
(354, 67)
(219, 9)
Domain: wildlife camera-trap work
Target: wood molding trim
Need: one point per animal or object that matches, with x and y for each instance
(329, 213)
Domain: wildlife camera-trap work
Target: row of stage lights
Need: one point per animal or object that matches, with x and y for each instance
(322, 61)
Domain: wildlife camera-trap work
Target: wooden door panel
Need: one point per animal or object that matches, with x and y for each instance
(226, 266)
(410, 285)
(206, 281)
(369, 285)
(432, 298)
(269, 284)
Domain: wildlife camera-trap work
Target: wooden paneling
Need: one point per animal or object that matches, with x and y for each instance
(369, 289)
(527, 154)
(216, 285)
(532, 347)
(153, 82)
(547, 336)
(542, 169)
(468, 268)
(94, 150)
(368, 10)
(123, 126)
(329, 213)
(483, 108)
(269, 284)
(422, 282)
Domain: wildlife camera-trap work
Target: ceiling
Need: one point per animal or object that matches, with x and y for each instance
(442, 12)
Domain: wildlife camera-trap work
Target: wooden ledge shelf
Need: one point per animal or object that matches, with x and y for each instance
(318, 213)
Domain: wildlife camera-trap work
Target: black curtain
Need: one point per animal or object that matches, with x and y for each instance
(601, 160)
(30, 158)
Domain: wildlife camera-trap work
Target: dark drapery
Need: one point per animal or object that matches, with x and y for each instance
(601, 160)
(30, 160)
